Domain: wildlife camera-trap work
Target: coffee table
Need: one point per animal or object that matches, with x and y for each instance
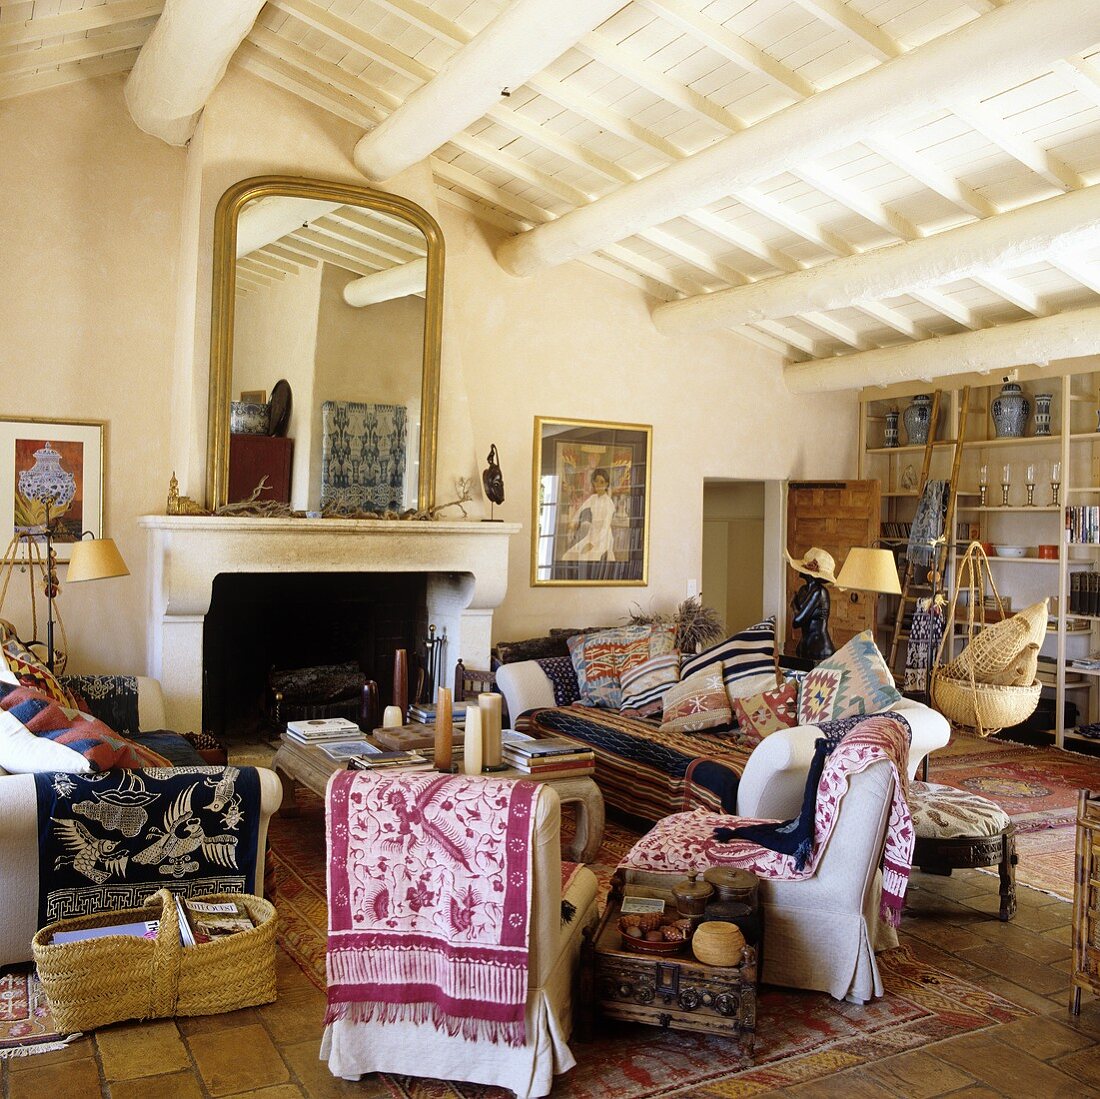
(307, 765)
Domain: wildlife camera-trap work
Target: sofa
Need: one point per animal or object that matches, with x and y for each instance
(19, 867)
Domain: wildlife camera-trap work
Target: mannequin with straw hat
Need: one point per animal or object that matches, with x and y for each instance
(811, 604)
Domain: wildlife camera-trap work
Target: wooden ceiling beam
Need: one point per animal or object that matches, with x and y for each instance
(42, 28)
(76, 49)
(324, 253)
(402, 281)
(182, 62)
(1025, 36)
(66, 74)
(269, 220)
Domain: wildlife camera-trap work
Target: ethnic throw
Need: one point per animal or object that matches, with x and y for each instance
(107, 841)
(686, 841)
(429, 901)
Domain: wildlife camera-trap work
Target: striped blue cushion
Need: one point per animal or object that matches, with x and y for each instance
(750, 652)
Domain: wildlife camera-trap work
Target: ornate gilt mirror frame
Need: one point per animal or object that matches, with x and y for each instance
(222, 313)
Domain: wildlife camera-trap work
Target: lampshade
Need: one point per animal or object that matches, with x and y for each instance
(870, 570)
(96, 559)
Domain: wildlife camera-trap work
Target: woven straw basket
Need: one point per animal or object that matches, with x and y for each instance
(94, 982)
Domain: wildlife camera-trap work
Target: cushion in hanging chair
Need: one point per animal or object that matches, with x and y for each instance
(996, 649)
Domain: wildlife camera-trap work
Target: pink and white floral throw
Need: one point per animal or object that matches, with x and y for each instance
(685, 841)
(429, 898)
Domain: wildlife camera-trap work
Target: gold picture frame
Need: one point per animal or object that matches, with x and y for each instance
(590, 502)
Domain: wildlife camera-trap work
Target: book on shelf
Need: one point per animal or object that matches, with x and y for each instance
(312, 729)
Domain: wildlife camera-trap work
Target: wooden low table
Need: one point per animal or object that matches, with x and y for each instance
(307, 764)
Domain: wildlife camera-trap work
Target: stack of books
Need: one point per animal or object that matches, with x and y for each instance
(550, 757)
(375, 760)
(424, 712)
(314, 730)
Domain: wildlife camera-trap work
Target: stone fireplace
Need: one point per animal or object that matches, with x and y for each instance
(464, 564)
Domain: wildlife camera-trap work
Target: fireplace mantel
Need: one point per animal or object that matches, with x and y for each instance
(466, 563)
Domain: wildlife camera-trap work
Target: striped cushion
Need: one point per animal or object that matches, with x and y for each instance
(748, 653)
(645, 684)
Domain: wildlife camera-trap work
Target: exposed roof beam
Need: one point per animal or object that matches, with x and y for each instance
(182, 62)
(1064, 336)
(265, 256)
(842, 18)
(255, 267)
(1028, 234)
(396, 282)
(269, 220)
(520, 42)
(284, 253)
(327, 255)
(370, 243)
(340, 247)
(1025, 36)
(76, 49)
(27, 31)
(67, 74)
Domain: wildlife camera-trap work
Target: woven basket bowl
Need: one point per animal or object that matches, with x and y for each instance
(93, 982)
(985, 706)
(718, 943)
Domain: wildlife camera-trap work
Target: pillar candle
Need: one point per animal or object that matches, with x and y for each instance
(444, 731)
(471, 752)
(392, 718)
(489, 706)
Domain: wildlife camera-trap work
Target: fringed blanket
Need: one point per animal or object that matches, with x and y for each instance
(687, 841)
(107, 841)
(927, 526)
(429, 899)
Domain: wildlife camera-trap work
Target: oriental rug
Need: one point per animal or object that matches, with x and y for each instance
(1036, 787)
(800, 1037)
(26, 1025)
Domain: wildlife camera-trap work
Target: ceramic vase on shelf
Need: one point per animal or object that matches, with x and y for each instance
(892, 428)
(917, 419)
(1010, 410)
(1042, 413)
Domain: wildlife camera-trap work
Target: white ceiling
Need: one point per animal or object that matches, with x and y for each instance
(660, 81)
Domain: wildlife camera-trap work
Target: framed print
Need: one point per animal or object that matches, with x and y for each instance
(591, 502)
(54, 468)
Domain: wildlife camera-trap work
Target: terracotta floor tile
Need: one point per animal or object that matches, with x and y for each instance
(130, 1050)
(1044, 1037)
(1083, 1064)
(200, 1024)
(958, 885)
(318, 1083)
(919, 1075)
(239, 1059)
(74, 1051)
(946, 936)
(278, 1091)
(1031, 944)
(1018, 994)
(852, 1085)
(295, 1016)
(64, 1080)
(1059, 934)
(180, 1085)
(1016, 967)
(1010, 1072)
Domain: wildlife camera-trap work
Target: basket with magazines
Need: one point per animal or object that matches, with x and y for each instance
(134, 964)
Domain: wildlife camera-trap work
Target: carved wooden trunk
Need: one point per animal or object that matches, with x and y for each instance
(674, 991)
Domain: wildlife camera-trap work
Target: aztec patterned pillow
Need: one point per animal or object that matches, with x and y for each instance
(32, 673)
(697, 702)
(601, 658)
(645, 684)
(854, 680)
(761, 715)
(748, 653)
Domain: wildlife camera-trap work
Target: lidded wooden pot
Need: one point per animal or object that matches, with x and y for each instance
(692, 895)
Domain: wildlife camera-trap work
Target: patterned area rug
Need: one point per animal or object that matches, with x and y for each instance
(801, 1036)
(26, 1025)
(1037, 787)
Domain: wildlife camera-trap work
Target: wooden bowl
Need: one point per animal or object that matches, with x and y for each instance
(650, 946)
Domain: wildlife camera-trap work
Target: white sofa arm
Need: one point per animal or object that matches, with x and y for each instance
(151, 714)
(525, 686)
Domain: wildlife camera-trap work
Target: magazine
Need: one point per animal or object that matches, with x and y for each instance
(143, 929)
(208, 920)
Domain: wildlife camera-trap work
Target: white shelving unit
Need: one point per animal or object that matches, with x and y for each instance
(1074, 442)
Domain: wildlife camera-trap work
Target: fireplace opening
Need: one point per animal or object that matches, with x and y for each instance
(264, 622)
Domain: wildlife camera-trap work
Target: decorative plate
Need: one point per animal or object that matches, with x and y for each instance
(280, 407)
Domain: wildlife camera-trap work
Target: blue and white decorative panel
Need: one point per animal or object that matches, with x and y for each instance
(363, 452)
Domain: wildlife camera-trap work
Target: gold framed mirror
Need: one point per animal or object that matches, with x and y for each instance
(340, 289)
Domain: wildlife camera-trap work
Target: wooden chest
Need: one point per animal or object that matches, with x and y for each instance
(1086, 899)
(674, 991)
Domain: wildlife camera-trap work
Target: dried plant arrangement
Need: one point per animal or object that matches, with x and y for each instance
(697, 625)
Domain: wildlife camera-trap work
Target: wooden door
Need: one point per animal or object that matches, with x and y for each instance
(833, 515)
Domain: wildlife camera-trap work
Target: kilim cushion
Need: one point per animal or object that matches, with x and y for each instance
(600, 659)
(31, 673)
(854, 680)
(644, 686)
(761, 715)
(748, 653)
(697, 702)
(944, 812)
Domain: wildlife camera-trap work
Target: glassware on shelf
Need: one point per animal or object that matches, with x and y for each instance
(983, 485)
(1029, 480)
(1006, 483)
(1055, 482)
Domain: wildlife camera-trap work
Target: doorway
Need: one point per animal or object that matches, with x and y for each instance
(734, 577)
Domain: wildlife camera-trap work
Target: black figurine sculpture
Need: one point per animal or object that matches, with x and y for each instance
(811, 604)
(493, 481)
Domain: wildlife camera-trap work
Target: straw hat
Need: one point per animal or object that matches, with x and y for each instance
(815, 562)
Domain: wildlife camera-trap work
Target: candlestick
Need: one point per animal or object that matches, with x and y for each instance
(489, 706)
(1029, 481)
(471, 748)
(1055, 482)
(444, 731)
(1006, 484)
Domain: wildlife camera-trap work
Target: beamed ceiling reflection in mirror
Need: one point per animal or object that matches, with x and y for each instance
(339, 290)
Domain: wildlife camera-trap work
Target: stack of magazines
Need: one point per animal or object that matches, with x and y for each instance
(424, 712)
(199, 921)
(549, 757)
(313, 730)
(373, 759)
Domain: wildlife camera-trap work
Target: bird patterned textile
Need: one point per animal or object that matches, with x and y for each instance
(106, 841)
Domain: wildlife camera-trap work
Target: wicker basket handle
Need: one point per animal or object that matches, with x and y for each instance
(973, 572)
(165, 986)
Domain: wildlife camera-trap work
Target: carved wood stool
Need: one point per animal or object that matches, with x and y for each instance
(957, 830)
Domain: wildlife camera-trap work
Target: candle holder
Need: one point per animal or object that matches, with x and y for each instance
(983, 486)
(1055, 482)
(1029, 481)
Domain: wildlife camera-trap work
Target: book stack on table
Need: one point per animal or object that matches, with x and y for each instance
(314, 730)
(371, 759)
(548, 757)
(424, 712)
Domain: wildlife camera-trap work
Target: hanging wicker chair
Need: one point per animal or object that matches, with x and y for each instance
(961, 689)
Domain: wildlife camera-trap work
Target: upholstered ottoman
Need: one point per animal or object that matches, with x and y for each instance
(959, 830)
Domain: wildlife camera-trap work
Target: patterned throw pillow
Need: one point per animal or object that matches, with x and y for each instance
(696, 703)
(31, 673)
(748, 653)
(559, 670)
(600, 659)
(854, 680)
(644, 685)
(761, 715)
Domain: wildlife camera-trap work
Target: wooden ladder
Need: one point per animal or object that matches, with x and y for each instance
(913, 584)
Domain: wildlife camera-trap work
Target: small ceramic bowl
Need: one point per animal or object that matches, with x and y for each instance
(249, 419)
(1012, 551)
(1048, 552)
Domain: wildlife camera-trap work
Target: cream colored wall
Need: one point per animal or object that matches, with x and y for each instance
(89, 238)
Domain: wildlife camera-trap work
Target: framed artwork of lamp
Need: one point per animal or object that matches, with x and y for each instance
(55, 465)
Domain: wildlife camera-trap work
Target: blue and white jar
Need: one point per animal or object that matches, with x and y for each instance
(48, 483)
(1010, 410)
(918, 418)
(1042, 413)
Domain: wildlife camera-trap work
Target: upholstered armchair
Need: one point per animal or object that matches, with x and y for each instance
(369, 1038)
